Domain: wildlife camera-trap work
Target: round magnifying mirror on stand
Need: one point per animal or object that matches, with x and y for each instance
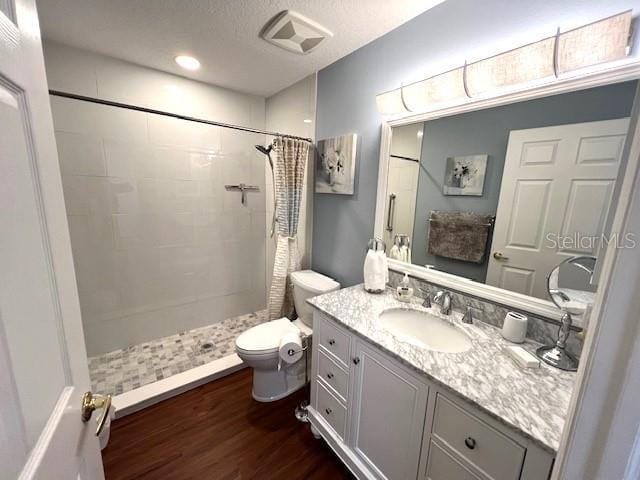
(570, 288)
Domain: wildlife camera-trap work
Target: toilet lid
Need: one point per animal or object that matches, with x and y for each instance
(314, 282)
(266, 336)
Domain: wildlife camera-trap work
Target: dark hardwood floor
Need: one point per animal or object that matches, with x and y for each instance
(217, 431)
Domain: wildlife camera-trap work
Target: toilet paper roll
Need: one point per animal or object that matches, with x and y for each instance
(290, 347)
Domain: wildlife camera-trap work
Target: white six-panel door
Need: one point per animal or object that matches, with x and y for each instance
(554, 199)
(43, 366)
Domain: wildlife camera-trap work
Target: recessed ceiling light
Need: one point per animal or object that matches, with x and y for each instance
(307, 120)
(190, 63)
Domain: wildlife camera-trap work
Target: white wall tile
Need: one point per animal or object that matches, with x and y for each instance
(126, 231)
(81, 154)
(127, 160)
(75, 194)
(98, 196)
(123, 194)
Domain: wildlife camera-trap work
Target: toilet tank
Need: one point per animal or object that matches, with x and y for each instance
(309, 284)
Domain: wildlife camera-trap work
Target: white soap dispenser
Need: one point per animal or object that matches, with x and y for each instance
(404, 292)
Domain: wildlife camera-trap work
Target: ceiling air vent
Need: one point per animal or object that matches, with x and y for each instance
(294, 32)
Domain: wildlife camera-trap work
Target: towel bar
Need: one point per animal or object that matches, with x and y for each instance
(437, 220)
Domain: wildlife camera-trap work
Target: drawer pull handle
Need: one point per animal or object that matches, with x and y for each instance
(470, 443)
(356, 360)
(328, 410)
(329, 375)
(331, 342)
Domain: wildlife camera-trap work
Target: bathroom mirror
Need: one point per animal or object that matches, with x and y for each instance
(499, 196)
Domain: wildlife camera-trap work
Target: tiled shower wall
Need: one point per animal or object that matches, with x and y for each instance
(159, 245)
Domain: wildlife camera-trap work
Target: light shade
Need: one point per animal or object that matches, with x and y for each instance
(443, 88)
(521, 65)
(390, 103)
(599, 42)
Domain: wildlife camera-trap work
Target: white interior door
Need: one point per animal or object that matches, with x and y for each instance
(556, 191)
(43, 366)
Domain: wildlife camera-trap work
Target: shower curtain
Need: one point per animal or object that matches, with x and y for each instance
(290, 161)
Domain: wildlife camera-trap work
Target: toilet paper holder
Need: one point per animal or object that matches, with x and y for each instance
(291, 352)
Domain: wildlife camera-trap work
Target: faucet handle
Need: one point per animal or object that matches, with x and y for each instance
(437, 298)
(427, 297)
(468, 316)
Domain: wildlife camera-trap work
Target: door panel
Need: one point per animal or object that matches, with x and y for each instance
(43, 365)
(585, 213)
(556, 192)
(529, 213)
(605, 150)
(388, 415)
(539, 153)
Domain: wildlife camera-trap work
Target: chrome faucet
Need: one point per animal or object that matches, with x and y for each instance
(443, 299)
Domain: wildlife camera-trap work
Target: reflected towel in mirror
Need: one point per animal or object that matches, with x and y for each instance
(459, 235)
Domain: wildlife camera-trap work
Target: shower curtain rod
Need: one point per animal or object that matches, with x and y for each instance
(137, 108)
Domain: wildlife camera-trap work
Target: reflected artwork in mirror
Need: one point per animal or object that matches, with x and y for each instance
(546, 176)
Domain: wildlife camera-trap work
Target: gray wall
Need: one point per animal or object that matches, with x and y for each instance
(441, 38)
(487, 132)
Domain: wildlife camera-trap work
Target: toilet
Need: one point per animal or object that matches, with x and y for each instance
(258, 347)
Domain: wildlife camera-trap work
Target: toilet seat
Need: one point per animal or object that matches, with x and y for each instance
(264, 339)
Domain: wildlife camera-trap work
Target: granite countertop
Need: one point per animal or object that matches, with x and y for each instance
(534, 402)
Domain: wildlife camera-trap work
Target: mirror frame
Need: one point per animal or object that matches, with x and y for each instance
(607, 74)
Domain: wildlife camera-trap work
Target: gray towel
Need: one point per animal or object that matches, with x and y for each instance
(459, 235)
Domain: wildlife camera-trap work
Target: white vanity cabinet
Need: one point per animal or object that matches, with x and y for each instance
(388, 411)
(386, 421)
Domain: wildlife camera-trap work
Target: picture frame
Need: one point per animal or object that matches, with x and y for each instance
(336, 164)
(464, 175)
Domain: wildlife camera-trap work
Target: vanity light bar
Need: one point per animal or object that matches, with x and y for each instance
(520, 65)
(391, 103)
(442, 88)
(599, 42)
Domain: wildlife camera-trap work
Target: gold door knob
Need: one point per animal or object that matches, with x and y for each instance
(91, 402)
(499, 256)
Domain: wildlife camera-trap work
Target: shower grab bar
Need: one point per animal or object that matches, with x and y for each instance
(243, 188)
(391, 212)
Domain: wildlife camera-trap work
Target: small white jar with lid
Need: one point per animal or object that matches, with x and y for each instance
(514, 328)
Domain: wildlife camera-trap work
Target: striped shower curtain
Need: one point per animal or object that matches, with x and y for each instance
(290, 161)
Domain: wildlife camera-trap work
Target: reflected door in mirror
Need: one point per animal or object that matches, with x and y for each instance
(555, 195)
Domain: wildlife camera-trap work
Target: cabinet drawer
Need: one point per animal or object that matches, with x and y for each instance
(332, 374)
(334, 340)
(330, 408)
(442, 466)
(491, 452)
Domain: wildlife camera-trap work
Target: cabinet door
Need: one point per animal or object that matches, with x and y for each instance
(388, 413)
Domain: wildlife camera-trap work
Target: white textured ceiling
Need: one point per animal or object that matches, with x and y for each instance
(223, 34)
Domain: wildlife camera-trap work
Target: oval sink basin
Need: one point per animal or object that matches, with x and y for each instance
(428, 330)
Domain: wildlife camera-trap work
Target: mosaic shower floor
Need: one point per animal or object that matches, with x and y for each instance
(130, 368)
